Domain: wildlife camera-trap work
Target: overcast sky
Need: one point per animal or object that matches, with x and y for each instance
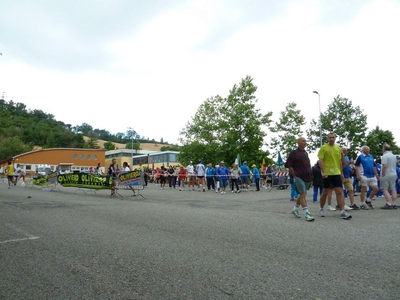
(149, 64)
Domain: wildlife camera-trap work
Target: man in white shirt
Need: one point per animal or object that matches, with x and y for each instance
(201, 172)
(191, 175)
(389, 177)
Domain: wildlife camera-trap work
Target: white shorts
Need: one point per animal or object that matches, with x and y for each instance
(365, 181)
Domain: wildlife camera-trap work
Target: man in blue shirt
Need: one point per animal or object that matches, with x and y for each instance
(210, 174)
(223, 176)
(367, 175)
(245, 176)
(256, 176)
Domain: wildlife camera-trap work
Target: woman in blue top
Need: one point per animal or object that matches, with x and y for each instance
(223, 173)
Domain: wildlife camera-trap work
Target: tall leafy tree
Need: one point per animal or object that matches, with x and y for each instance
(341, 117)
(288, 128)
(12, 146)
(224, 127)
(377, 138)
(85, 129)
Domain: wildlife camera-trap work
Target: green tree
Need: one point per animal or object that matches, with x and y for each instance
(377, 138)
(135, 145)
(288, 128)
(12, 146)
(109, 145)
(223, 127)
(85, 129)
(348, 122)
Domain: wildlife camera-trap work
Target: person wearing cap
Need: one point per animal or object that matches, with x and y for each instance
(223, 173)
(256, 176)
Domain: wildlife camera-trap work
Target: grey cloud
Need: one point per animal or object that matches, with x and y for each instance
(70, 35)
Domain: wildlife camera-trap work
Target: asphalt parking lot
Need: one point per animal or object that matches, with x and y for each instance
(68, 244)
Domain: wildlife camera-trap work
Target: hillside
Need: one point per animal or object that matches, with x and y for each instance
(143, 146)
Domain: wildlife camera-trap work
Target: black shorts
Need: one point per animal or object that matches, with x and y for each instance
(333, 181)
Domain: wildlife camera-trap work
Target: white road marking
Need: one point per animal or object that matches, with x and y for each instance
(19, 240)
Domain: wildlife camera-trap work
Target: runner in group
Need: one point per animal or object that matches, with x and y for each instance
(299, 166)
(331, 161)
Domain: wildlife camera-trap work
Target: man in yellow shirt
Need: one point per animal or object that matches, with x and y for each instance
(10, 174)
(331, 161)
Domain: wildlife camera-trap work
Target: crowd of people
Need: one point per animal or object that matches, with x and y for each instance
(218, 178)
(336, 172)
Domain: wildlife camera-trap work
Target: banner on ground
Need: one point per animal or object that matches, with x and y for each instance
(95, 181)
(85, 180)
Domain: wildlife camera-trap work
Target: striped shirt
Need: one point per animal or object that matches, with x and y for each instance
(300, 162)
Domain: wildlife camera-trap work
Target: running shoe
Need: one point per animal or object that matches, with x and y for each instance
(321, 212)
(331, 208)
(364, 206)
(296, 213)
(309, 217)
(346, 216)
(354, 207)
(387, 206)
(346, 207)
(369, 204)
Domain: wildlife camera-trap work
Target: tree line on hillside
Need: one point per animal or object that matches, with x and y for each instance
(224, 127)
(22, 129)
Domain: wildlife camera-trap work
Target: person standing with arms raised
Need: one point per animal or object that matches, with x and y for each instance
(299, 166)
(331, 162)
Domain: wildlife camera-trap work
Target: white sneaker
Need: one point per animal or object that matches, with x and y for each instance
(331, 208)
(222, 193)
(321, 212)
(346, 207)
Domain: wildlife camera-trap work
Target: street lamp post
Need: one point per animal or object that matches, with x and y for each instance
(320, 119)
